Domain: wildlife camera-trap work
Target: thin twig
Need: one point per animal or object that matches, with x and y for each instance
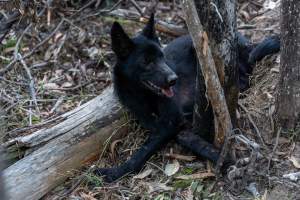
(217, 11)
(31, 81)
(98, 3)
(84, 7)
(274, 149)
(16, 51)
(137, 7)
(246, 141)
(110, 9)
(57, 104)
(253, 124)
(4, 35)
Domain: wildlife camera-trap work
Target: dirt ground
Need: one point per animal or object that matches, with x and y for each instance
(74, 66)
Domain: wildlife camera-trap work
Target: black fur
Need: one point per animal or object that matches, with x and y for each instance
(251, 53)
(144, 80)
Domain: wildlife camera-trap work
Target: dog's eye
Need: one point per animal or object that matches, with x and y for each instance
(146, 61)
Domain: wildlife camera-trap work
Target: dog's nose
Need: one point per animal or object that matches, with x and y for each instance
(172, 79)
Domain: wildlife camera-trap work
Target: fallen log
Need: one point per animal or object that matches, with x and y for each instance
(66, 146)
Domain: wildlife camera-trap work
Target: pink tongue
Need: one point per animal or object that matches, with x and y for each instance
(168, 92)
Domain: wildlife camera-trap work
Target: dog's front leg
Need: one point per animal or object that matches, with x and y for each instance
(198, 145)
(139, 158)
(201, 148)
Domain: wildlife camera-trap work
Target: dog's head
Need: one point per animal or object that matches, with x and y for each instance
(141, 59)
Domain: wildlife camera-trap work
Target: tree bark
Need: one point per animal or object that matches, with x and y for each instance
(208, 68)
(219, 21)
(2, 191)
(66, 146)
(288, 99)
(2, 131)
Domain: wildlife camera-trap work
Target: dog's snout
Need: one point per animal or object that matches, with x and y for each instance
(172, 79)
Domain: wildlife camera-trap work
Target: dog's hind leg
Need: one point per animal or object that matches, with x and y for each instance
(268, 46)
(155, 142)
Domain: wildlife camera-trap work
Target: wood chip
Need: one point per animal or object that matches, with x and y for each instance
(295, 161)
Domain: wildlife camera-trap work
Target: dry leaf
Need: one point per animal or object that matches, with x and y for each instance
(252, 188)
(154, 187)
(172, 168)
(57, 37)
(295, 162)
(82, 36)
(66, 85)
(270, 4)
(112, 148)
(50, 86)
(196, 176)
(245, 15)
(275, 70)
(292, 176)
(93, 52)
(87, 196)
(144, 174)
(268, 95)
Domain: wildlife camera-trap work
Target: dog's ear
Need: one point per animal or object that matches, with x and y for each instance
(149, 30)
(122, 45)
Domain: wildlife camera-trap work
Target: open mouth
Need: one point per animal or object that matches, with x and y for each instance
(168, 91)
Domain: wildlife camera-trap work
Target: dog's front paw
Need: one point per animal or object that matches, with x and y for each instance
(109, 174)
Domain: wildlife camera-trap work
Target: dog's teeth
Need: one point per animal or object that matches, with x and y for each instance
(153, 87)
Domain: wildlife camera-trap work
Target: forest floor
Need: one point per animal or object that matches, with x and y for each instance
(74, 66)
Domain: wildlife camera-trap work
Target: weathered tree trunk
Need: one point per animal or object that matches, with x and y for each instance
(219, 21)
(288, 99)
(65, 147)
(2, 131)
(2, 192)
(208, 68)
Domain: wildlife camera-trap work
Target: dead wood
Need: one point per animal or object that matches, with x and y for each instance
(63, 148)
(161, 26)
